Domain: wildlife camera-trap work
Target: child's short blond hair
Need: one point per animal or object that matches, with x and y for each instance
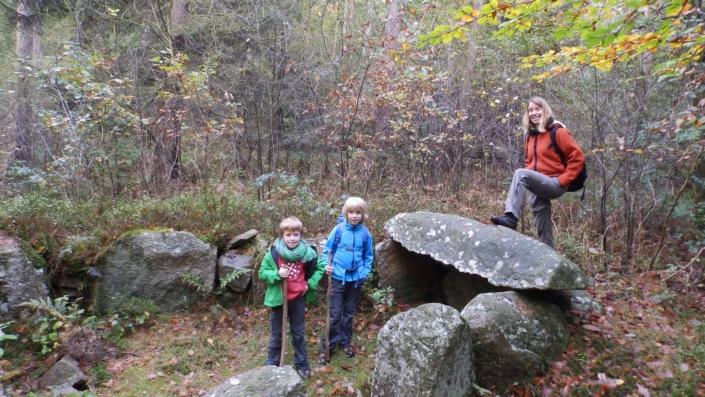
(290, 224)
(354, 203)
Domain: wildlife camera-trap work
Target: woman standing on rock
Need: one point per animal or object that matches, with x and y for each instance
(546, 174)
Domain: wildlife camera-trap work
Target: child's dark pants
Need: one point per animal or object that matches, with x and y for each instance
(343, 305)
(297, 326)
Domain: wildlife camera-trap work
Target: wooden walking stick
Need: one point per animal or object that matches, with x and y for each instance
(285, 308)
(328, 312)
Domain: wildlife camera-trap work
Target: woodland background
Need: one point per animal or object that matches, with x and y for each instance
(218, 116)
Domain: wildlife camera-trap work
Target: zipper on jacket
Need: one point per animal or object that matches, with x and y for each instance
(536, 157)
(353, 251)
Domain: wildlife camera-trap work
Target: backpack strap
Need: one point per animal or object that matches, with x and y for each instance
(309, 267)
(559, 152)
(336, 239)
(275, 255)
(365, 240)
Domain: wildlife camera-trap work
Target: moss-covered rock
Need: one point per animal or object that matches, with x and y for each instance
(19, 281)
(514, 336)
(426, 351)
(175, 270)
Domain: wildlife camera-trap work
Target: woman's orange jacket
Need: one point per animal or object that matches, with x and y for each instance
(541, 157)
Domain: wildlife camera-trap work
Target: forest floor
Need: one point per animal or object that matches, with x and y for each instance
(650, 341)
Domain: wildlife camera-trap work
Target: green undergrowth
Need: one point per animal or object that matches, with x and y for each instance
(66, 236)
(48, 224)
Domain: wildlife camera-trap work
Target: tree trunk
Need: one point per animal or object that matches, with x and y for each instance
(173, 108)
(392, 24)
(179, 9)
(27, 47)
(392, 27)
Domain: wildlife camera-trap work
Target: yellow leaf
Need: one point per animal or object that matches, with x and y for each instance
(467, 18)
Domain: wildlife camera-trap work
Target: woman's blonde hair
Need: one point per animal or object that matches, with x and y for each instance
(545, 115)
(290, 224)
(354, 203)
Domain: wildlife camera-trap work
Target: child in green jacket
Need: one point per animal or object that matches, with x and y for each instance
(293, 261)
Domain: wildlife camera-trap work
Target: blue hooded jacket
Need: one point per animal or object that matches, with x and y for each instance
(348, 263)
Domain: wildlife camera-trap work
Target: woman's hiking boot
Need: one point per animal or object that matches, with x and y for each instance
(506, 220)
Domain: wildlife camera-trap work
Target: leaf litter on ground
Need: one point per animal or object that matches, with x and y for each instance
(640, 346)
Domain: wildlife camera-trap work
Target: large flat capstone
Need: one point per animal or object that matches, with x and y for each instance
(502, 256)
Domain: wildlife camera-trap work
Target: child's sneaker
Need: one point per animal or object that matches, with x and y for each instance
(348, 351)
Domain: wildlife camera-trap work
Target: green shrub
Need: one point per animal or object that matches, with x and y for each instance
(4, 336)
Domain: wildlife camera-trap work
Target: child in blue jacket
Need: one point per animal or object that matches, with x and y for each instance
(350, 247)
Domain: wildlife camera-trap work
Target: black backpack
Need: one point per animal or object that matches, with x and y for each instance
(579, 182)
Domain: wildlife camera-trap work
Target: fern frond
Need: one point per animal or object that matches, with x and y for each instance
(192, 280)
(57, 308)
(133, 306)
(235, 274)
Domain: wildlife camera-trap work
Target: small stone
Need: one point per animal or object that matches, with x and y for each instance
(241, 239)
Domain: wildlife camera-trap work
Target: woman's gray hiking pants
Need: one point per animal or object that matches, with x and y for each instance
(541, 189)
